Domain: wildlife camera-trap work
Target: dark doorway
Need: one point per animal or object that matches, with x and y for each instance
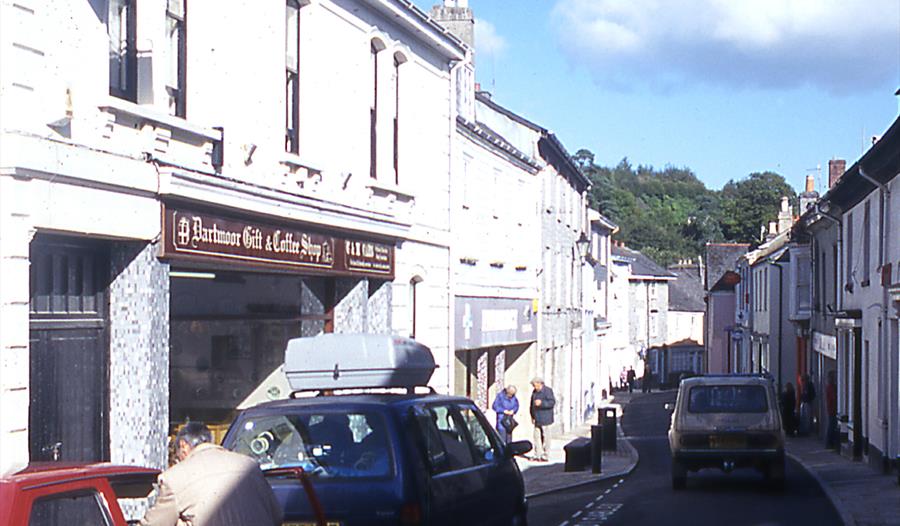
(857, 394)
(69, 350)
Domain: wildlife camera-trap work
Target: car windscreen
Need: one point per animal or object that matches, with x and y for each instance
(324, 444)
(727, 399)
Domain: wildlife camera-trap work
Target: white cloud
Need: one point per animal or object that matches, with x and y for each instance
(487, 41)
(840, 46)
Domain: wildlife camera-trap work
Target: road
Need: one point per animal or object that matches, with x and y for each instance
(711, 497)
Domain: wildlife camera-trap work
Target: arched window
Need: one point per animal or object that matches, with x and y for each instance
(399, 59)
(413, 304)
(376, 46)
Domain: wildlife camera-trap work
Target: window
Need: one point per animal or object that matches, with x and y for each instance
(867, 242)
(413, 307)
(292, 78)
(82, 507)
(326, 444)
(373, 115)
(848, 270)
(121, 29)
(481, 437)
(834, 274)
(397, 119)
(458, 453)
(176, 18)
(728, 398)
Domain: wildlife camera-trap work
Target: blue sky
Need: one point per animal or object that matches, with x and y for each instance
(724, 87)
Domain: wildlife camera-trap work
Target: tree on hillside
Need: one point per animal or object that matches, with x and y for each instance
(750, 203)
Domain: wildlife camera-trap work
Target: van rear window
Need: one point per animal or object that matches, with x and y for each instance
(324, 444)
(727, 399)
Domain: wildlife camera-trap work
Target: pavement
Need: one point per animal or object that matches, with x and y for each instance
(542, 478)
(861, 495)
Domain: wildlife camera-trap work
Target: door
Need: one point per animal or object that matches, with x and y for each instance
(856, 397)
(68, 347)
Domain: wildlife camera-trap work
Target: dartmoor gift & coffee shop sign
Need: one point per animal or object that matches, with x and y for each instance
(195, 235)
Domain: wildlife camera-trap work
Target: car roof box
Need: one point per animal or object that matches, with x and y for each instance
(356, 361)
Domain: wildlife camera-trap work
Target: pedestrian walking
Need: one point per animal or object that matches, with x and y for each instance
(211, 486)
(788, 402)
(831, 434)
(630, 377)
(623, 379)
(506, 405)
(807, 397)
(542, 402)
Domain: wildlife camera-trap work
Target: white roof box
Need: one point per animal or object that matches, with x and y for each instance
(355, 361)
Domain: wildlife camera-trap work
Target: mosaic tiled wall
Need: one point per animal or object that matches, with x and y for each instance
(350, 313)
(378, 319)
(139, 355)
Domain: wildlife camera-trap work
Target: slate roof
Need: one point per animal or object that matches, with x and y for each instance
(641, 265)
(722, 257)
(686, 292)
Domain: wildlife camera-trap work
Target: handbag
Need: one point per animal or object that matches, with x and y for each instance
(509, 423)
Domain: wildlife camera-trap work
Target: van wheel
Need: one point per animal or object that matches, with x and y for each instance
(679, 475)
(519, 520)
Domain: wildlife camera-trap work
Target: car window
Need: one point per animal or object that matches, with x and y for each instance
(481, 437)
(327, 444)
(727, 399)
(83, 507)
(446, 441)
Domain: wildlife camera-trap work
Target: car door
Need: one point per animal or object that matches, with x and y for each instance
(456, 482)
(503, 494)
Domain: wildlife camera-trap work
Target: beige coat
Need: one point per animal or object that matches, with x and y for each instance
(214, 487)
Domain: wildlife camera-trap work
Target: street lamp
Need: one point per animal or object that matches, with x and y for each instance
(583, 244)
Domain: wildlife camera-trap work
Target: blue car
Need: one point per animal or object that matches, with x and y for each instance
(385, 459)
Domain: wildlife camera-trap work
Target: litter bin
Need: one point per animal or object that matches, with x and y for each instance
(608, 422)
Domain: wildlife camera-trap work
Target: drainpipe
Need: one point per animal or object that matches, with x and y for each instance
(780, 319)
(884, 197)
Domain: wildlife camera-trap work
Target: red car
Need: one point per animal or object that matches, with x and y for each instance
(50, 494)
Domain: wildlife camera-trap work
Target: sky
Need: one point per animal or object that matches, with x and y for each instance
(723, 87)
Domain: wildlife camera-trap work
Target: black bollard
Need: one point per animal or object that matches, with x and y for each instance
(596, 448)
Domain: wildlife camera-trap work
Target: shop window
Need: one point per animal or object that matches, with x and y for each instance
(176, 31)
(121, 27)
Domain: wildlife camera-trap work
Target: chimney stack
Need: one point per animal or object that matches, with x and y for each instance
(785, 215)
(836, 168)
(810, 196)
(810, 183)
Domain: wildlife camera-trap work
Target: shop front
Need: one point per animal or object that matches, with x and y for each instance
(242, 286)
(495, 340)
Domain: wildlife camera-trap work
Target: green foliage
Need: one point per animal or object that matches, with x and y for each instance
(669, 214)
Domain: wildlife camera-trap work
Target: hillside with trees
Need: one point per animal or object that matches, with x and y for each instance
(669, 214)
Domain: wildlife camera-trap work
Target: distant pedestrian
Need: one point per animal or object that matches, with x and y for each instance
(630, 378)
(506, 405)
(831, 434)
(788, 403)
(646, 380)
(211, 486)
(542, 402)
(623, 379)
(807, 398)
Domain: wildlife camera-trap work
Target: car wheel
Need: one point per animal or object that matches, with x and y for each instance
(679, 475)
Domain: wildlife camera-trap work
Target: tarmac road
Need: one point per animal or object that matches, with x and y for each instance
(711, 498)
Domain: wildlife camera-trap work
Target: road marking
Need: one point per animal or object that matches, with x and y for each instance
(576, 514)
(596, 516)
(607, 491)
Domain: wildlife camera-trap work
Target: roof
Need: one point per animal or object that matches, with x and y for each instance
(686, 291)
(41, 473)
(340, 401)
(453, 46)
(594, 216)
(480, 131)
(550, 146)
(727, 282)
(642, 267)
(881, 162)
(720, 258)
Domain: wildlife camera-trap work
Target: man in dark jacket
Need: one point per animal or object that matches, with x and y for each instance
(542, 402)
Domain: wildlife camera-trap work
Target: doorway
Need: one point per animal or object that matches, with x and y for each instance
(68, 311)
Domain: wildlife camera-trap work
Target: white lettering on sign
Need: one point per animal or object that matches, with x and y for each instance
(499, 320)
(825, 344)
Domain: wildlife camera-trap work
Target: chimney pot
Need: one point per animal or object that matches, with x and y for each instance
(810, 183)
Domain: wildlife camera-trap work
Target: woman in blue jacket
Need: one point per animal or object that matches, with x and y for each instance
(505, 403)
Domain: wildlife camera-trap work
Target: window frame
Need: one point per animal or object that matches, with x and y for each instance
(128, 53)
(292, 82)
(178, 93)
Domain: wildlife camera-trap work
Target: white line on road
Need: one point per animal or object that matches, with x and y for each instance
(576, 514)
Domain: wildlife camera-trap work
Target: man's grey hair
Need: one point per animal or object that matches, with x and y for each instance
(194, 434)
